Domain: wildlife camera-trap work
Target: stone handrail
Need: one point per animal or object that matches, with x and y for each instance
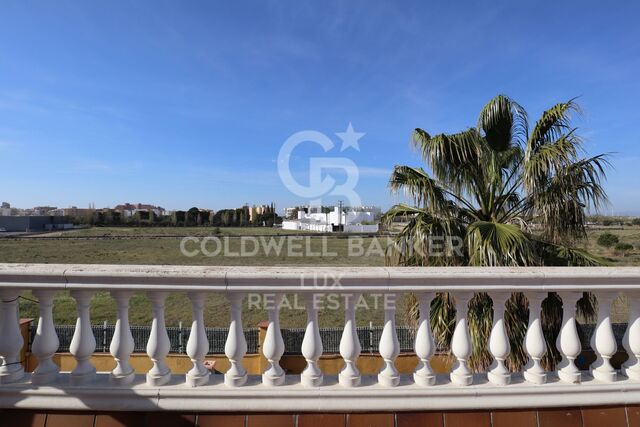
(235, 390)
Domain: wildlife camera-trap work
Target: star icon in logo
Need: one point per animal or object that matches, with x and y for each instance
(350, 138)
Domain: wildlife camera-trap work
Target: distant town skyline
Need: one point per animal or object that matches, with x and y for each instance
(190, 106)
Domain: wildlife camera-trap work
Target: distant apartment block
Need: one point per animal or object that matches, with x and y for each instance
(5, 209)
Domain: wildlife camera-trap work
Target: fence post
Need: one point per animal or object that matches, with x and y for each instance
(180, 346)
(104, 336)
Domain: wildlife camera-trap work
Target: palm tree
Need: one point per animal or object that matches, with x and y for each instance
(499, 194)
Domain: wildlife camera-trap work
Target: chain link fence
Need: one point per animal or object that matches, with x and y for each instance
(178, 337)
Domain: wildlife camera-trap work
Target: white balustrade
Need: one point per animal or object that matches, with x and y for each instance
(83, 343)
(122, 343)
(312, 345)
(389, 344)
(45, 343)
(631, 339)
(534, 340)
(350, 348)
(158, 345)
(568, 283)
(568, 341)
(197, 345)
(425, 347)
(10, 338)
(461, 342)
(273, 347)
(603, 341)
(236, 346)
(499, 341)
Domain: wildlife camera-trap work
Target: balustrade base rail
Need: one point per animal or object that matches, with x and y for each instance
(101, 395)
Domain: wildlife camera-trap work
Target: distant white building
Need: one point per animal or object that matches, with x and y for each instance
(362, 219)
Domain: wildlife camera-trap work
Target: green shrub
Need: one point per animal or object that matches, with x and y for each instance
(635, 221)
(623, 247)
(607, 240)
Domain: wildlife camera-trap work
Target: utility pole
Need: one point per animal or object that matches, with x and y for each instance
(340, 215)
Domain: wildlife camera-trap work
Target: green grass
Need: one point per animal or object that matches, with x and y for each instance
(168, 231)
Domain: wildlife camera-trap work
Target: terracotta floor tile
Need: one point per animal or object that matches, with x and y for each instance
(220, 420)
(69, 419)
(604, 416)
(370, 420)
(633, 415)
(569, 417)
(26, 418)
(120, 419)
(514, 418)
(170, 419)
(467, 419)
(420, 419)
(271, 420)
(321, 420)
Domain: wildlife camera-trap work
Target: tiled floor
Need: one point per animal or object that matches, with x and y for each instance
(618, 416)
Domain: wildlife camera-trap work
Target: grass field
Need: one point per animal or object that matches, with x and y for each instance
(170, 231)
(112, 246)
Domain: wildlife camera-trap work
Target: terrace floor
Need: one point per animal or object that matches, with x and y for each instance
(612, 416)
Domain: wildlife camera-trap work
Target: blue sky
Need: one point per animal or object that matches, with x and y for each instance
(189, 103)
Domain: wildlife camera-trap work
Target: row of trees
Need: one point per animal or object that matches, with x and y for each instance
(193, 217)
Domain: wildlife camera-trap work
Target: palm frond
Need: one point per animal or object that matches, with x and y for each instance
(425, 191)
(553, 254)
(549, 159)
(454, 159)
(503, 123)
(554, 123)
(562, 201)
(494, 244)
(426, 239)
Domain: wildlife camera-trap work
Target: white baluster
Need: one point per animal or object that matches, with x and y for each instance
(236, 346)
(312, 345)
(568, 341)
(389, 345)
(45, 343)
(11, 340)
(83, 343)
(197, 345)
(158, 345)
(631, 340)
(499, 341)
(603, 341)
(122, 343)
(534, 340)
(424, 344)
(461, 342)
(273, 347)
(350, 344)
